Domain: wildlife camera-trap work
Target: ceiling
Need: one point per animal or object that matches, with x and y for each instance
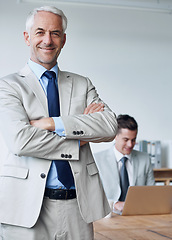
(148, 5)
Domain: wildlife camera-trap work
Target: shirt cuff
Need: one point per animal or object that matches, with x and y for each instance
(59, 127)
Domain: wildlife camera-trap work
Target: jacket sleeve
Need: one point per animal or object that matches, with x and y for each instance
(94, 127)
(150, 175)
(21, 138)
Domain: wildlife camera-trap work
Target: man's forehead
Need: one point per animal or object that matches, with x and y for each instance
(43, 17)
(44, 21)
(127, 133)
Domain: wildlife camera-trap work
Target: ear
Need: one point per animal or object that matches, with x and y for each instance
(116, 137)
(26, 38)
(64, 40)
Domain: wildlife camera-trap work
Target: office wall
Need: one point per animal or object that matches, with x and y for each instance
(126, 53)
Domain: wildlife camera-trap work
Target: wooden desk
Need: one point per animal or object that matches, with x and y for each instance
(163, 175)
(146, 227)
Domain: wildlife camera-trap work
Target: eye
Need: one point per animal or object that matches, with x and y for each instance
(56, 33)
(39, 33)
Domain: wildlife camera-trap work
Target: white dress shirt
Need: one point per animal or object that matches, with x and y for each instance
(129, 164)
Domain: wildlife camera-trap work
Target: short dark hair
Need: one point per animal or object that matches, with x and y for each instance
(126, 121)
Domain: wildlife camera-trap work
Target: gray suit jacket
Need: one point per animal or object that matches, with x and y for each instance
(108, 169)
(29, 150)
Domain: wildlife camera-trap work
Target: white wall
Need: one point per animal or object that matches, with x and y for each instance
(126, 53)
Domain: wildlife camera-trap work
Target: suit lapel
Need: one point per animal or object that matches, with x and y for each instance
(33, 83)
(135, 167)
(113, 164)
(65, 83)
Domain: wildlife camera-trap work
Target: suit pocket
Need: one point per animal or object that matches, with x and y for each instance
(13, 171)
(92, 168)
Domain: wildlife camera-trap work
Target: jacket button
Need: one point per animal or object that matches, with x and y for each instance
(77, 132)
(66, 155)
(70, 156)
(62, 155)
(81, 132)
(74, 132)
(43, 175)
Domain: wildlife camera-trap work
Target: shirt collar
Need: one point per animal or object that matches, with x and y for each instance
(119, 155)
(38, 69)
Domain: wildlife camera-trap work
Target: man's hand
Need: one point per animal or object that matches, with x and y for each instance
(94, 107)
(119, 206)
(44, 123)
(48, 123)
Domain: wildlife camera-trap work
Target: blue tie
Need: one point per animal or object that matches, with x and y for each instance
(63, 168)
(123, 179)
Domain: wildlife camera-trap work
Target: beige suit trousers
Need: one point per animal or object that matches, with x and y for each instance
(59, 220)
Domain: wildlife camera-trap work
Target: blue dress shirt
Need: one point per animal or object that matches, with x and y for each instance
(38, 70)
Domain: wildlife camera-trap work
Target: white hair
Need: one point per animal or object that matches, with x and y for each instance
(30, 18)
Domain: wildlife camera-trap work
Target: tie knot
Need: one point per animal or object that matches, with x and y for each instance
(124, 159)
(50, 75)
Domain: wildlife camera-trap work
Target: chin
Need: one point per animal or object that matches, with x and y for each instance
(128, 152)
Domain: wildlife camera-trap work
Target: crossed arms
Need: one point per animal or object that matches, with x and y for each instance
(26, 137)
(48, 123)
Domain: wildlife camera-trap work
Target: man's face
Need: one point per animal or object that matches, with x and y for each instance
(46, 39)
(125, 141)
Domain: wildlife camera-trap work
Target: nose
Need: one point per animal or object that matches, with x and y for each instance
(47, 40)
(129, 144)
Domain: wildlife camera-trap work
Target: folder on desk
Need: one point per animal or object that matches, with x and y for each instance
(146, 200)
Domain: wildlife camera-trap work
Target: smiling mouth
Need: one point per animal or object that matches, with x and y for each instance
(128, 149)
(47, 49)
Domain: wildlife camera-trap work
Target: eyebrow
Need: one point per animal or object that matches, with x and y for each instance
(41, 29)
(129, 139)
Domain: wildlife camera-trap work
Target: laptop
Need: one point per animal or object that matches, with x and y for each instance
(146, 200)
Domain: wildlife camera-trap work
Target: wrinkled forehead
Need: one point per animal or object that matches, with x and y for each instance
(46, 21)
